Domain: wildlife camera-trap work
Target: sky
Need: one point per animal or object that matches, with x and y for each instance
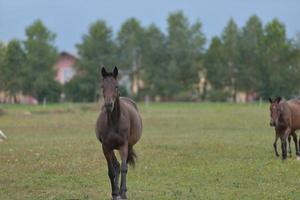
(70, 19)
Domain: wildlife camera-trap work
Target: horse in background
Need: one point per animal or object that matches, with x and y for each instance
(285, 118)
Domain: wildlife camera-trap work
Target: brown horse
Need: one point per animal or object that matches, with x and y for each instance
(119, 127)
(285, 117)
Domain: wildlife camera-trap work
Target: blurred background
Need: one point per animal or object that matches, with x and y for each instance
(237, 51)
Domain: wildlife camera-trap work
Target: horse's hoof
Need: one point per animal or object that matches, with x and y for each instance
(123, 197)
(116, 198)
(298, 157)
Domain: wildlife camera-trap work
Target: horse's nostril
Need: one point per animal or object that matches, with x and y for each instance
(109, 105)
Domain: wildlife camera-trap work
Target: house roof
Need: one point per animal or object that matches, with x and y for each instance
(64, 53)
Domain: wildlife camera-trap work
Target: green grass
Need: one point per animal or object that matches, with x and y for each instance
(187, 151)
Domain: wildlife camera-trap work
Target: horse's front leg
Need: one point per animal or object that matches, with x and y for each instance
(283, 138)
(112, 174)
(117, 170)
(275, 144)
(124, 169)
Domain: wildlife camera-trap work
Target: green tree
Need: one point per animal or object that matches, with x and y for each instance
(198, 40)
(216, 70)
(41, 56)
(249, 77)
(130, 42)
(297, 41)
(184, 48)
(13, 68)
(155, 62)
(97, 49)
(280, 73)
(2, 53)
(230, 40)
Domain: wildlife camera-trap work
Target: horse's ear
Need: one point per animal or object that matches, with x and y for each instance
(278, 99)
(270, 100)
(115, 72)
(104, 72)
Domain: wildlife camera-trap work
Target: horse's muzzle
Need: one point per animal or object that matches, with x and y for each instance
(109, 106)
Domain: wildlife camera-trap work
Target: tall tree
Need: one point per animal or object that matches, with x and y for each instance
(216, 70)
(13, 68)
(154, 61)
(2, 53)
(198, 40)
(280, 74)
(249, 77)
(41, 55)
(97, 49)
(230, 38)
(297, 41)
(184, 45)
(130, 48)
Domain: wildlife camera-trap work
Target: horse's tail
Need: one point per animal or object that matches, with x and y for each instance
(131, 156)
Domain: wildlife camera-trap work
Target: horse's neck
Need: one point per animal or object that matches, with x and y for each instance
(114, 116)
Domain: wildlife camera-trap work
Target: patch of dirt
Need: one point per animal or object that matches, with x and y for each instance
(91, 107)
(2, 112)
(56, 111)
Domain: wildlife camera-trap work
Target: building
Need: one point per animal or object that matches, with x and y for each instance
(64, 67)
(65, 71)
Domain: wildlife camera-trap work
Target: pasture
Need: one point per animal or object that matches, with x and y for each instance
(187, 151)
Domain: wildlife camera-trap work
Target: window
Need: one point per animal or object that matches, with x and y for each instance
(68, 74)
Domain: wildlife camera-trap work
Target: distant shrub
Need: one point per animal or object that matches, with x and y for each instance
(50, 91)
(80, 89)
(218, 95)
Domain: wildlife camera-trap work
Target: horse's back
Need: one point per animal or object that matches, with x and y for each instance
(294, 105)
(129, 101)
(135, 119)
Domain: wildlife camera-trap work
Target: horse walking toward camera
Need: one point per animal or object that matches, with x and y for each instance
(285, 117)
(119, 127)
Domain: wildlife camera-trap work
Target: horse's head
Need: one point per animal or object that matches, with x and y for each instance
(110, 88)
(275, 111)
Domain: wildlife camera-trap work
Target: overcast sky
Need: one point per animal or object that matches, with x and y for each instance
(69, 19)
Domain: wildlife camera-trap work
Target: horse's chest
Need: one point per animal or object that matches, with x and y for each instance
(114, 138)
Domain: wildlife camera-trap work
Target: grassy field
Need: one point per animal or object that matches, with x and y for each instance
(187, 151)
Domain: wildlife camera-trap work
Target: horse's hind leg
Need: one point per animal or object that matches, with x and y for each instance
(296, 143)
(109, 155)
(290, 149)
(124, 168)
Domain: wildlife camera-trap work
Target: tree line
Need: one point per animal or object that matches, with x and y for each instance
(177, 65)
